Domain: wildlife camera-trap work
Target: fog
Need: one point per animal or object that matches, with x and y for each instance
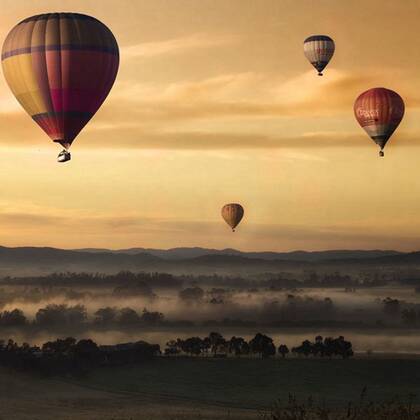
(380, 318)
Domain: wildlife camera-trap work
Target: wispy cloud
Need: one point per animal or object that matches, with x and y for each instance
(132, 230)
(178, 45)
(193, 114)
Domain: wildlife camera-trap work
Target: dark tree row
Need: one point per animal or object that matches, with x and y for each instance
(165, 280)
(124, 278)
(327, 347)
(64, 316)
(261, 345)
(68, 355)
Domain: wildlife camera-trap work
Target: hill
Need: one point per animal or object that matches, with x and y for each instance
(35, 261)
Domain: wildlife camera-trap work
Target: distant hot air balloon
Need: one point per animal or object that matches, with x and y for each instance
(379, 111)
(232, 213)
(319, 50)
(60, 67)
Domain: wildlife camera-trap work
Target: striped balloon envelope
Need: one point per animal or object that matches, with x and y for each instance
(379, 111)
(319, 50)
(232, 213)
(60, 67)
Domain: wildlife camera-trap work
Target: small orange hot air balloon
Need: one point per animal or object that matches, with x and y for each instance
(379, 111)
(232, 214)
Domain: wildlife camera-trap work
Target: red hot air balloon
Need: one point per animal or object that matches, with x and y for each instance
(60, 67)
(379, 111)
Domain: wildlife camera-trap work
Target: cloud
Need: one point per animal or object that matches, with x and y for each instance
(243, 96)
(130, 138)
(178, 45)
(137, 230)
(194, 115)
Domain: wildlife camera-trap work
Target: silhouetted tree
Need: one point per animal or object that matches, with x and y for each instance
(14, 318)
(192, 346)
(128, 316)
(263, 345)
(217, 342)
(105, 316)
(152, 318)
(173, 347)
(283, 350)
(191, 294)
(61, 315)
(238, 346)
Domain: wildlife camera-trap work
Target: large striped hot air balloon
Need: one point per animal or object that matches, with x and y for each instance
(60, 67)
(232, 214)
(319, 50)
(379, 111)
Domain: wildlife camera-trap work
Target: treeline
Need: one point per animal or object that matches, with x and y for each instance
(64, 316)
(69, 356)
(159, 280)
(61, 317)
(165, 280)
(407, 313)
(261, 345)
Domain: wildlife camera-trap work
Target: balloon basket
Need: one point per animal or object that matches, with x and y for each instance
(63, 156)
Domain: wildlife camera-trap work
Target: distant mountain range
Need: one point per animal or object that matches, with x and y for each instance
(25, 261)
(185, 253)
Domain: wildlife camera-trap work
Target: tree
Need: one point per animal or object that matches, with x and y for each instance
(59, 346)
(306, 348)
(86, 351)
(192, 345)
(105, 316)
(152, 318)
(172, 347)
(338, 347)
(238, 346)
(216, 341)
(283, 350)
(263, 345)
(13, 318)
(128, 316)
(191, 294)
(318, 348)
(61, 315)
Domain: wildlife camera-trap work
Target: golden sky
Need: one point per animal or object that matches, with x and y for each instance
(214, 103)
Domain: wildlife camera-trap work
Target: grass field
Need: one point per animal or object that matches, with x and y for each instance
(255, 384)
(188, 388)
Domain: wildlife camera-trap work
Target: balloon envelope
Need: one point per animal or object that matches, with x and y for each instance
(233, 214)
(60, 67)
(319, 50)
(379, 111)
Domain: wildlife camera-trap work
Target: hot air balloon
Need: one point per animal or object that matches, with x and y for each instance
(319, 50)
(60, 67)
(379, 111)
(232, 213)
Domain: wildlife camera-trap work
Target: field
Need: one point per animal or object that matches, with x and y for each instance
(188, 388)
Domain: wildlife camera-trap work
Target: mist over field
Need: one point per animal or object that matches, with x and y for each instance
(372, 298)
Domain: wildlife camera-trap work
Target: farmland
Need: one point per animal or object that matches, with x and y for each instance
(191, 388)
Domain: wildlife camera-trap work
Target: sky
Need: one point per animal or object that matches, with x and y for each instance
(214, 103)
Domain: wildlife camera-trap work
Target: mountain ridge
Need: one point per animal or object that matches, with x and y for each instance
(298, 255)
(30, 261)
